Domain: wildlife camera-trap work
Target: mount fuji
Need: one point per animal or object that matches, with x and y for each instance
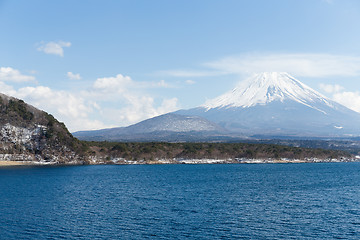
(273, 103)
(266, 105)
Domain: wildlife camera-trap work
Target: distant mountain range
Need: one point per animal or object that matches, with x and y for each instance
(267, 105)
(167, 127)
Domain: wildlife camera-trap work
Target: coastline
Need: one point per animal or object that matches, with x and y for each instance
(4, 163)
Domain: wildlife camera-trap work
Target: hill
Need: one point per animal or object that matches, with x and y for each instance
(167, 127)
(29, 134)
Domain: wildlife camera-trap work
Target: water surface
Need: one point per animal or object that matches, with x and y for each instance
(246, 201)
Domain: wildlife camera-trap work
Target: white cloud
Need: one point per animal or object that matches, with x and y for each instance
(13, 75)
(139, 108)
(298, 64)
(70, 108)
(167, 105)
(66, 106)
(158, 84)
(133, 103)
(56, 48)
(113, 84)
(111, 102)
(121, 83)
(73, 76)
(161, 84)
(7, 89)
(190, 82)
(329, 88)
(305, 65)
(348, 99)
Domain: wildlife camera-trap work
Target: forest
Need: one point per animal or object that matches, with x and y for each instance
(152, 151)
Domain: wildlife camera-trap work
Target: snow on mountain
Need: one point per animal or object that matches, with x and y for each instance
(173, 123)
(164, 127)
(267, 105)
(267, 87)
(273, 103)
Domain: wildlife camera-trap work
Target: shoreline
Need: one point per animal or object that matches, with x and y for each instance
(5, 163)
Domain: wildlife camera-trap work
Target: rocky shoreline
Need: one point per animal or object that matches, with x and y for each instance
(121, 161)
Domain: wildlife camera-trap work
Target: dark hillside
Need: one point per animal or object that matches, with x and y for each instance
(28, 133)
(150, 151)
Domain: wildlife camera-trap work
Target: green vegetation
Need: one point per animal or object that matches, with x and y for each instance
(58, 134)
(17, 108)
(53, 139)
(162, 150)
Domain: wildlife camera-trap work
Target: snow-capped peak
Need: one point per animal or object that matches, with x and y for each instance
(267, 87)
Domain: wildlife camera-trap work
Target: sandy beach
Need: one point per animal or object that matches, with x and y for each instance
(13, 163)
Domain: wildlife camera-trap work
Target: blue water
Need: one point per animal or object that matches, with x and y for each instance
(254, 201)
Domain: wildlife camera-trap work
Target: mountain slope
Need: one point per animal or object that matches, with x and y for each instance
(278, 104)
(267, 105)
(29, 134)
(269, 87)
(167, 127)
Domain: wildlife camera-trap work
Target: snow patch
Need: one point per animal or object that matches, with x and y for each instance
(267, 87)
(10, 133)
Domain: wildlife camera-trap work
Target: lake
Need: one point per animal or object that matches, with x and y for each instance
(220, 201)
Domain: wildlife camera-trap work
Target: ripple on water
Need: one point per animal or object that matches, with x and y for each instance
(281, 201)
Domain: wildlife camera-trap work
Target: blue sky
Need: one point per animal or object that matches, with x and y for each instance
(97, 64)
